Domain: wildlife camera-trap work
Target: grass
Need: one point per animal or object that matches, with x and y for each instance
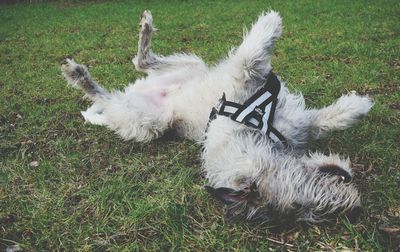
(91, 191)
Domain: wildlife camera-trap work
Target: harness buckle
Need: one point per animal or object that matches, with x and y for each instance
(220, 102)
(259, 111)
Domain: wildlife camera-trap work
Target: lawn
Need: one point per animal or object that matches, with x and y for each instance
(66, 185)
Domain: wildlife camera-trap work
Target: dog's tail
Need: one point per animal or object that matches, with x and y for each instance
(78, 76)
(254, 55)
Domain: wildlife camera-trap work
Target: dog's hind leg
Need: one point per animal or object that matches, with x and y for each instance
(149, 62)
(141, 116)
(145, 58)
(344, 113)
(251, 61)
(78, 76)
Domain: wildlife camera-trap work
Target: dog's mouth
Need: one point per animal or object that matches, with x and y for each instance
(230, 196)
(354, 214)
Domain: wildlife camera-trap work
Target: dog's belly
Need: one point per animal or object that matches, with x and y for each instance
(155, 91)
(159, 89)
(192, 103)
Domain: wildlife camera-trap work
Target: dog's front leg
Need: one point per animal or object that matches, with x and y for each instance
(251, 62)
(344, 113)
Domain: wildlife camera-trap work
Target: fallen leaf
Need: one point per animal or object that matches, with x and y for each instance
(394, 212)
(34, 164)
(389, 230)
(13, 248)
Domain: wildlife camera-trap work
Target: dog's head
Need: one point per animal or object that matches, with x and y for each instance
(311, 189)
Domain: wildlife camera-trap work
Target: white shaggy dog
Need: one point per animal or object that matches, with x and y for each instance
(256, 177)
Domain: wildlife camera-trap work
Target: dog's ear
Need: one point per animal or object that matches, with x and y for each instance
(229, 196)
(335, 170)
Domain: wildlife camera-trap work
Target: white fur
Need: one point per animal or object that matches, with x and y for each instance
(180, 91)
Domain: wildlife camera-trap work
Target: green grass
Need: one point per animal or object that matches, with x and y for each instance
(93, 191)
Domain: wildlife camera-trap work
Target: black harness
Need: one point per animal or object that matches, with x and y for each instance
(257, 112)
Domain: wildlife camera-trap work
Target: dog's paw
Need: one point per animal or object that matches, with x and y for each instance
(354, 106)
(73, 72)
(363, 103)
(146, 22)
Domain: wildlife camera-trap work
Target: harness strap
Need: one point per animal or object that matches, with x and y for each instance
(257, 112)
